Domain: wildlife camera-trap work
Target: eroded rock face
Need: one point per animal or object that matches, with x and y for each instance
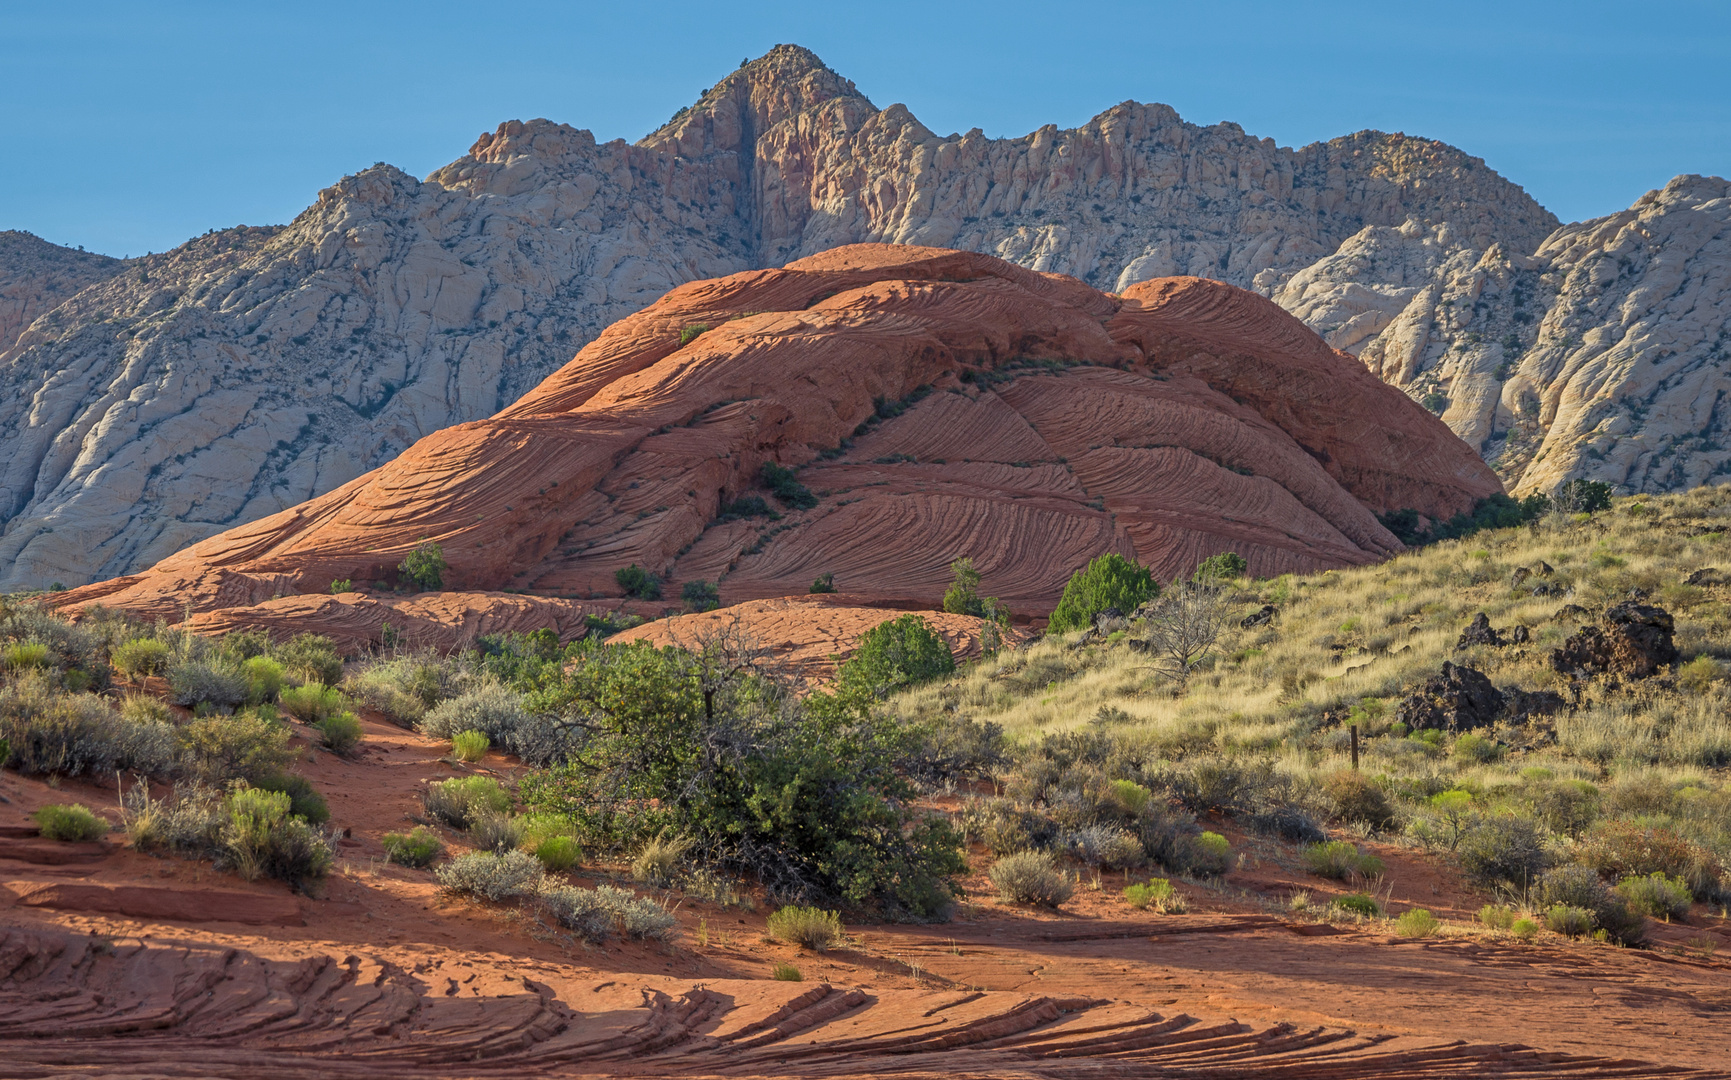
(935, 402)
(1600, 353)
(36, 277)
(1633, 639)
(1457, 699)
(254, 368)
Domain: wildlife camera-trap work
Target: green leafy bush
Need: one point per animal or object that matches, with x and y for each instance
(1029, 877)
(1152, 894)
(1524, 929)
(692, 333)
(700, 595)
(263, 839)
(638, 582)
(197, 683)
(808, 927)
(1226, 566)
(312, 703)
(1358, 904)
(1417, 923)
(423, 567)
(1657, 895)
(1131, 798)
(784, 484)
(264, 679)
(417, 848)
(892, 655)
(495, 876)
(304, 800)
(217, 749)
(1110, 581)
(140, 658)
(73, 823)
(1338, 859)
(340, 732)
(470, 745)
(458, 801)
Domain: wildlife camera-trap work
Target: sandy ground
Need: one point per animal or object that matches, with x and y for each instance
(116, 963)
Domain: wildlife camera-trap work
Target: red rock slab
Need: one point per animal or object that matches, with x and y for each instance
(802, 635)
(52, 852)
(938, 403)
(147, 902)
(439, 620)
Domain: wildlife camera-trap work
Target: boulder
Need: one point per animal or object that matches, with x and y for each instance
(1259, 617)
(1633, 639)
(1521, 706)
(1459, 698)
(1480, 632)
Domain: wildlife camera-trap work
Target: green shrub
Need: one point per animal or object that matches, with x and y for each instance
(1155, 892)
(1503, 849)
(144, 709)
(700, 595)
(470, 745)
(825, 583)
(23, 656)
(417, 848)
(311, 704)
(1132, 798)
(198, 683)
(1358, 904)
(1524, 929)
(638, 582)
(403, 688)
(1497, 916)
(342, 585)
(457, 801)
(1570, 921)
(808, 927)
(1355, 798)
(49, 731)
(495, 876)
(140, 658)
(1110, 581)
(1619, 849)
(596, 912)
(1213, 855)
(1567, 807)
(74, 823)
(493, 710)
(785, 973)
(1338, 859)
(559, 853)
(1226, 566)
(1700, 675)
(217, 749)
(340, 732)
(423, 567)
(263, 839)
(312, 658)
(304, 801)
(895, 654)
(784, 484)
(1417, 923)
(1657, 895)
(490, 830)
(1576, 886)
(692, 333)
(264, 679)
(1475, 747)
(660, 860)
(1029, 877)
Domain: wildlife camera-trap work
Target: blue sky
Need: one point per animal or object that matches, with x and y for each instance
(131, 127)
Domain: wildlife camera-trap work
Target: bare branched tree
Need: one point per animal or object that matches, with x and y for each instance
(1180, 628)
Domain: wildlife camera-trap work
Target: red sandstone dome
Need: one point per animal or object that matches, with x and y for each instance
(938, 404)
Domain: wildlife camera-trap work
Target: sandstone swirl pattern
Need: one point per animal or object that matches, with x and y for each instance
(254, 368)
(940, 403)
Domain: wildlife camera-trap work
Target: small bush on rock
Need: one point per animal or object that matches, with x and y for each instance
(74, 823)
(808, 927)
(424, 566)
(785, 973)
(1029, 877)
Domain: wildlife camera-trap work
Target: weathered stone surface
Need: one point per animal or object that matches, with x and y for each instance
(1458, 699)
(1480, 632)
(36, 277)
(935, 402)
(254, 368)
(1633, 639)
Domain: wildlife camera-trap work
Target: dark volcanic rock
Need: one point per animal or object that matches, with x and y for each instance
(1523, 705)
(1257, 618)
(1480, 632)
(1633, 639)
(1458, 699)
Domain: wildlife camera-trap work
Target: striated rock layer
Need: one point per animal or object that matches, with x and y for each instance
(255, 368)
(936, 404)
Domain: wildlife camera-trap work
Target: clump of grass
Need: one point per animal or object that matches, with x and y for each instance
(1497, 916)
(470, 745)
(1657, 895)
(1524, 929)
(1339, 860)
(785, 973)
(1417, 923)
(1570, 921)
(1029, 877)
(140, 658)
(491, 830)
(1141, 896)
(74, 823)
(312, 702)
(417, 848)
(808, 927)
(559, 853)
(659, 861)
(1361, 904)
(263, 838)
(457, 801)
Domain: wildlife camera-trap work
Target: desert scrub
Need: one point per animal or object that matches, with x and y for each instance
(1141, 896)
(490, 830)
(470, 745)
(597, 912)
(49, 731)
(403, 688)
(1524, 929)
(1503, 849)
(263, 839)
(311, 703)
(217, 749)
(311, 658)
(340, 732)
(1360, 904)
(491, 875)
(784, 972)
(1029, 877)
(1339, 860)
(457, 801)
(1213, 855)
(22, 656)
(73, 822)
(1497, 916)
(808, 927)
(264, 679)
(416, 848)
(1657, 895)
(140, 658)
(197, 683)
(1577, 887)
(304, 799)
(1417, 923)
(660, 861)
(558, 853)
(1569, 921)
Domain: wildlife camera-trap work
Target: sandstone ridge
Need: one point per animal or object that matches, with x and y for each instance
(255, 368)
(935, 403)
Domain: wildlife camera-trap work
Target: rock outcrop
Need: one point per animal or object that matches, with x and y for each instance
(1632, 639)
(1600, 353)
(36, 277)
(935, 403)
(1457, 699)
(254, 368)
